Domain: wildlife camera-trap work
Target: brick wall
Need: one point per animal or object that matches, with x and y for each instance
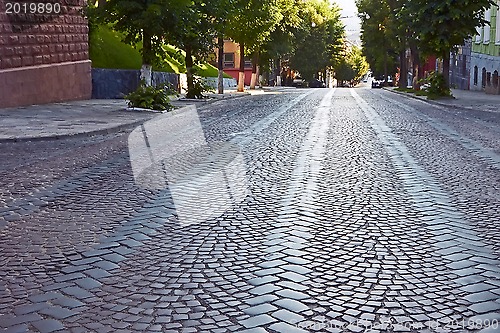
(43, 57)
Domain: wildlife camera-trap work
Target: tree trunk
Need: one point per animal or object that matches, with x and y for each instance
(385, 66)
(147, 50)
(403, 71)
(446, 69)
(189, 73)
(255, 60)
(220, 64)
(417, 75)
(241, 77)
(277, 72)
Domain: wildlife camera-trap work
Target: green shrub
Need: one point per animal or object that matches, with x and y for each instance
(437, 86)
(199, 88)
(151, 97)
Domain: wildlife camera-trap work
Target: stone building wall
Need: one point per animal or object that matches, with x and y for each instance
(43, 57)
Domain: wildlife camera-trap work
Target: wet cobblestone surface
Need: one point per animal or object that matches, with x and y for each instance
(357, 211)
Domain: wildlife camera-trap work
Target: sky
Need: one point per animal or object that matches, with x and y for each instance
(350, 19)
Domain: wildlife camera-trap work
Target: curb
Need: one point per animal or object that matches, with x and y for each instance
(115, 129)
(104, 131)
(432, 102)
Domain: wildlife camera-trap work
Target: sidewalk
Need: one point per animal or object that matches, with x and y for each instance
(464, 99)
(77, 118)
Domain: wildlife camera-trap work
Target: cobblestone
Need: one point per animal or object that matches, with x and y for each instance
(358, 209)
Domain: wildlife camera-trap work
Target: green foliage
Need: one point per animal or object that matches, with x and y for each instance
(319, 39)
(353, 65)
(406, 90)
(446, 23)
(108, 51)
(379, 39)
(200, 87)
(428, 27)
(438, 86)
(149, 22)
(252, 21)
(151, 97)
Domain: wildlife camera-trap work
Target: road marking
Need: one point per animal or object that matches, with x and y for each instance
(485, 154)
(438, 212)
(292, 229)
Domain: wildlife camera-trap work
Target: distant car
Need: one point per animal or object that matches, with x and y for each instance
(315, 83)
(380, 82)
(298, 82)
(377, 83)
(390, 82)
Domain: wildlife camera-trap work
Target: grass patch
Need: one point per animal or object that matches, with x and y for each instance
(108, 51)
(421, 93)
(406, 90)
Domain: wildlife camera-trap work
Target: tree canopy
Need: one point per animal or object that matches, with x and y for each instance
(429, 27)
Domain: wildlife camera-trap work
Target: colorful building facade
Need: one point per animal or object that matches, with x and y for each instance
(485, 56)
(231, 61)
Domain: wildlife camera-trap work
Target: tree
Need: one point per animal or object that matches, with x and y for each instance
(250, 24)
(379, 40)
(352, 66)
(429, 27)
(194, 34)
(319, 42)
(148, 22)
(220, 12)
(282, 40)
(444, 24)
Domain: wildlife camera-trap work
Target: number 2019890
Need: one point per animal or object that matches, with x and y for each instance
(32, 8)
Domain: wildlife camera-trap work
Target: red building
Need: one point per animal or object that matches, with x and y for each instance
(44, 54)
(231, 61)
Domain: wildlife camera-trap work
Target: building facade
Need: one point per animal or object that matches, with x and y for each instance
(485, 56)
(44, 52)
(231, 61)
(460, 61)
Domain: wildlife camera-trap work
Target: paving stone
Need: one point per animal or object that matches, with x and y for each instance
(30, 308)
(256, 321)
(57, 312)
(292, 305)
(260, 309)
(288, 316)
(48, 325)
(293, 277)
(285, 328)
(88, 283)
(484, 307)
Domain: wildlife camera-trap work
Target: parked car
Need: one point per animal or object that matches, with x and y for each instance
(298, 82)
(390, 82)
(315, 83)
(377, 82)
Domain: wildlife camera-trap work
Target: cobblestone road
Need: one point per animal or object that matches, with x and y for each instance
(347, 210)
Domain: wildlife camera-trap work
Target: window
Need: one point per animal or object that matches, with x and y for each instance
(479, 35)
(488, 79)
(228, 60)
(483, 78)
(476, 74)
(248, 63)
(497, 39)
(495, 79)
(487, 28)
